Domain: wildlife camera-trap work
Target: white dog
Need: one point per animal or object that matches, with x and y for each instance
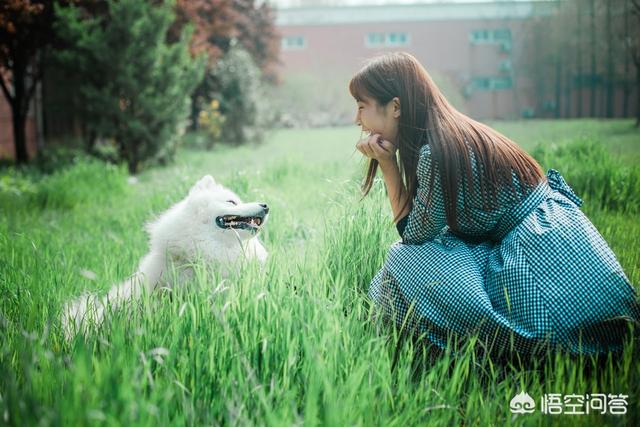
(211, 224)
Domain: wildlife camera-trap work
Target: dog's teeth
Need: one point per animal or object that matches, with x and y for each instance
(258, 221)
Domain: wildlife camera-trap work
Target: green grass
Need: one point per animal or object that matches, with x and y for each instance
(291, 345)
(619, 136)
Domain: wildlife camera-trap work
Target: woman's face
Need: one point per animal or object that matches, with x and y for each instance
(380, 119)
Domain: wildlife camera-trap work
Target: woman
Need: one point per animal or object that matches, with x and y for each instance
(490, 245)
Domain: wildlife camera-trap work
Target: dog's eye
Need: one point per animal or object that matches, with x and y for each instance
(232, 202)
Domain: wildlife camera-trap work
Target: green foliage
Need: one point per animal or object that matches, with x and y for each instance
(85, 181)
(594, 174)
(15, 187)
(237, 82)
(56, 157)
(211, 120)
(134, 86)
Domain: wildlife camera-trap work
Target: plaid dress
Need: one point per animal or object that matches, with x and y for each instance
(533, 273)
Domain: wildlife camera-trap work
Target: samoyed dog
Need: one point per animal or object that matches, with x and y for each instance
(210, 225)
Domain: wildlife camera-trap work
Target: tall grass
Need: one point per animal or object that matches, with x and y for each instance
(597, 177)
(293, 344)
(84, 181)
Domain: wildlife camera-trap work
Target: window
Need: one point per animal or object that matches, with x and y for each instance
(479, 36)
(293, 43)
(491, 36)
(491, 83)
(481, 83)
(386, 39)
(375, 39)
(498, 83)
(502, 34)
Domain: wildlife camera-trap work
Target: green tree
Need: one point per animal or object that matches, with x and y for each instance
(133, 84)
(237, 82)
(221, 26)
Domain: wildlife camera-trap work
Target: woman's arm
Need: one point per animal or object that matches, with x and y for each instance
(384, 152)
(427, 217)
(396, 189)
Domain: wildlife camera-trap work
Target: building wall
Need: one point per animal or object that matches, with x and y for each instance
(441, 36)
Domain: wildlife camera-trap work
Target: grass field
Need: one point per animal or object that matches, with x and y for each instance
(293, 344)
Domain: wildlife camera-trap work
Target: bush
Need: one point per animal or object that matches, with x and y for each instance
(53, 158)
(15, 188)
(87, 180)
(594, 174)
(237, 82)
(134, 86)
(211, 120)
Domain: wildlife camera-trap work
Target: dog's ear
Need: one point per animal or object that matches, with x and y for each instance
(205, 183)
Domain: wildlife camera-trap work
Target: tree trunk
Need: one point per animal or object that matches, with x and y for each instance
(568, 95)
(193, 115)
(627, 54)
(610, 72)
(133, 158)
(19, 111)
(20, 135)
(579, 72)
(132, 165)
(637, 93)
(592, 80)
(558, 90)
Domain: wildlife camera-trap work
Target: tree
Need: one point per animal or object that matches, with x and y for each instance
(133, 83)
(634, 46)
(26, 28)
(579, 49)
(610, 55)
(257, 34)
(219, 25)
(217, 22)
(592, 44)
(593, 32)
(236, 82)
(213, 24)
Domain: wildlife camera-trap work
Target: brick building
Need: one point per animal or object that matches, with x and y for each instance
(481, 52)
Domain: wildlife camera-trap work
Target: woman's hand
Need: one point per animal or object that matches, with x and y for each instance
(374, 147)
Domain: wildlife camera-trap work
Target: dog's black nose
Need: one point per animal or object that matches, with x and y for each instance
(265, 207)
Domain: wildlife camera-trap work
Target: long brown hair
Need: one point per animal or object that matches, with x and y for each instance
(426, 117)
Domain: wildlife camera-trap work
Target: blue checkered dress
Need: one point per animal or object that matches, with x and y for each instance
(533, 273)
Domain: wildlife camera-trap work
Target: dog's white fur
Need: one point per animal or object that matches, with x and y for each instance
(187, 232)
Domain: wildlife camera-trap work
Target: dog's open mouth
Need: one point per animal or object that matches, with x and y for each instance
(240, 222)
